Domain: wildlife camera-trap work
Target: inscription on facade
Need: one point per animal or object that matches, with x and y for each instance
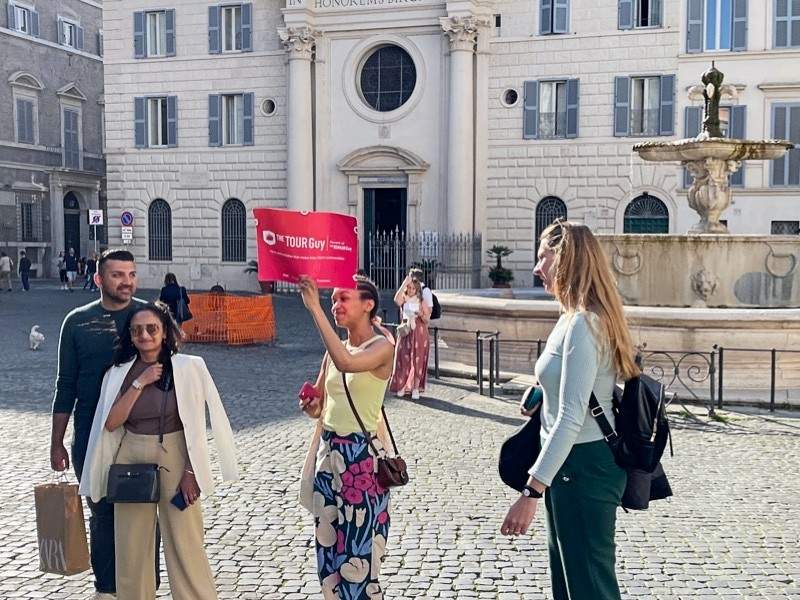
(335, 4)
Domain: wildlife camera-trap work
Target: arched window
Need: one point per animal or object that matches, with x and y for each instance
(646, 214)
(159, 230)
(548, 210)
(234, 231)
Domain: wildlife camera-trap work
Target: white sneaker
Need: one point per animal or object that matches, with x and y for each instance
(415, 394)
(401, 394)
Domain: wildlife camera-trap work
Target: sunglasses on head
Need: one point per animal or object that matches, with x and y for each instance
(151, 328)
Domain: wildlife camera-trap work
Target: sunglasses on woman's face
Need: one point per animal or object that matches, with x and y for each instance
(151, 328)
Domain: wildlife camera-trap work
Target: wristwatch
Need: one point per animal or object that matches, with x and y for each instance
(529, 492)
(135, 384)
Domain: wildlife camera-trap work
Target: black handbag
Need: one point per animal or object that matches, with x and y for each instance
(520, 451)
(138, 483)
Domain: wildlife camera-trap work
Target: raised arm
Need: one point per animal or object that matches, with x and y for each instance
(400, 294)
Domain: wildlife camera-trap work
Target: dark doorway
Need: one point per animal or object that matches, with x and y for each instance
(72, 224)
(384, 235)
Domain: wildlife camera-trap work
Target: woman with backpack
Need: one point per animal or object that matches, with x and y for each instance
(350, 507)
(575, 471)
(174, 295)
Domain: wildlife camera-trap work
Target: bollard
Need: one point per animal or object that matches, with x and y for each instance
(436, 352)
(492, 342)
(712, 387)
(480, 365)
(497, 357)
(720, 373)
(478, 356)
(773, 364)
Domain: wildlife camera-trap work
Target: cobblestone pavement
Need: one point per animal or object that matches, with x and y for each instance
(732, 531)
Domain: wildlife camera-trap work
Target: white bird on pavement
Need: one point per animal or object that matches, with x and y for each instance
(36, 338)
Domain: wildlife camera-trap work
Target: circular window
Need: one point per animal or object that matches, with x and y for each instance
(387, 79)
(268, 107)
(510, 97)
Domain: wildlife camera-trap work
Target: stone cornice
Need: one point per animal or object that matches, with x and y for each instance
(298, 41)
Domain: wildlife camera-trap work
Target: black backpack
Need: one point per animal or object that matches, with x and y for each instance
(436, 312)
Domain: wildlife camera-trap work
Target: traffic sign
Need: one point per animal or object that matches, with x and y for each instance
(126, 218)
(127, 233)
(95, 217)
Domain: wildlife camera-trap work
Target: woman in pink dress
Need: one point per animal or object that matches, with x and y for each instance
(411, 357)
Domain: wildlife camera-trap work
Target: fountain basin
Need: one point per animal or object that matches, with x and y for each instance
(717, 148)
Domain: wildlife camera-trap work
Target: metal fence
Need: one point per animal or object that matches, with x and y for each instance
(449, 261)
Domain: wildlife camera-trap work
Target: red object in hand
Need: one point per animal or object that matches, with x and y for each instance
(308, 392)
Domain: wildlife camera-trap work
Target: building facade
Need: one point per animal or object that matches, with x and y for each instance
(52, 167)
(420, 116)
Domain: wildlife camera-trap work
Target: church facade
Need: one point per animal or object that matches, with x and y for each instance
(416, 116)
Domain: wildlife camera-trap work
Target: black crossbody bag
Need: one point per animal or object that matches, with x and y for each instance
(138, 483)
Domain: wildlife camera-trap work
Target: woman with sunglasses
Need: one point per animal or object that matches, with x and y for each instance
(152, 410)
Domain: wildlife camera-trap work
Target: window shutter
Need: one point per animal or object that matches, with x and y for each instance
(779, 131)
(691, 128)
(29, 122)
(546, 16)
(169, 19)
(12, 20)
(140, 121)
(694, 26)
(99, 41)
(561, 16)
(79, 31)
(139, 45)
(572, 108)
(172, 121)
(736, 131)
(739, 26)
(247, 27)
(530, 110)
(656, 13)
(622, 92)
(60, 32)
(625, 14)
(34, 23)
(21, 135)
(667, 112)
(247, 113)
(214, 120)
(214, 32)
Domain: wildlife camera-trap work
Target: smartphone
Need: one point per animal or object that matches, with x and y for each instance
(308, 391)
(533, 396)
(179, 501)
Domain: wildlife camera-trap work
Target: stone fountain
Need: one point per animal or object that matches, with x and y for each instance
(683, 293)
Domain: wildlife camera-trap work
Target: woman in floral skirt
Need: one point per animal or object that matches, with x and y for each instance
(351, 510)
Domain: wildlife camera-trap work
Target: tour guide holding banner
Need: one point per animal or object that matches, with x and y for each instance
(319, 245)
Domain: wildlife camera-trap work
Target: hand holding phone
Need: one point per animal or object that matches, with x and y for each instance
(531, 400)
(308, 392)
(179, 501)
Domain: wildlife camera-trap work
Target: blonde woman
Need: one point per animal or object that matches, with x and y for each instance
(411, 358)
(152, 409)
(575, 471)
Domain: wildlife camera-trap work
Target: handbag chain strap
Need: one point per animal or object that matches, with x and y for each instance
(361, 423)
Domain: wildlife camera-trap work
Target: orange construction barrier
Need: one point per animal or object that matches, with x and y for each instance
(231, 320)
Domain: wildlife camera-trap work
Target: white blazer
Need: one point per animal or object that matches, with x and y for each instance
(194, 390)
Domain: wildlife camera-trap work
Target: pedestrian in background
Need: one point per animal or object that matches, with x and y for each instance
(71, 265)
(152, 409)
(61, 266)
(172, 294)
(413, 345)
(85, 352)
(24, 270)
(6, 268)
(351, 509)
(91, 269)
(575, 469)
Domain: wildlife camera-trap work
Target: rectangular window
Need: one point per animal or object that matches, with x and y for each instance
(29, 217)
(553, 16)
(22, 19)
(232, 119)
(719, 20)
(231, 28)
(645, 102)
(553, 111)
(157, 122)
(648, 13)
(787, 23)
(72, 149)
(157, 33)
(785, 228)
(786, 126)
(25, 121)
(70, 34)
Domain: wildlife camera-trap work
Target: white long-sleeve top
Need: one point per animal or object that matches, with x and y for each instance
(571, 367)
(194, 389)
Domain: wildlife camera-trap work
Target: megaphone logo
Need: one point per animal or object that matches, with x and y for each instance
(269, 238)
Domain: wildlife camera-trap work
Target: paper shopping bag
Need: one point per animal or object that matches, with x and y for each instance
(61, 529)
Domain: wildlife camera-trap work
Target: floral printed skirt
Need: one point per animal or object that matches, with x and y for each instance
(351, 512)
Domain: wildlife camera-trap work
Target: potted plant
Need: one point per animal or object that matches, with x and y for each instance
(267, 287)
(500, 276)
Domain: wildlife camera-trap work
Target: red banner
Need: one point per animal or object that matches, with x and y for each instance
(322, 245)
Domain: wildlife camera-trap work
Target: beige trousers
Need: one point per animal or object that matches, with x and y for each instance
(189, 573)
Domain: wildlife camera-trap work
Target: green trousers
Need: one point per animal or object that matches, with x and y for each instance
(581, 508)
